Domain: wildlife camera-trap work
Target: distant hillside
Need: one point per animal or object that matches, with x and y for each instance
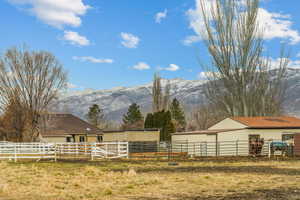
(190, 92)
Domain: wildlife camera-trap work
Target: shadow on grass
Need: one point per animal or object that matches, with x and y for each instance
(263, 194)
(150, 166)
(223, 169)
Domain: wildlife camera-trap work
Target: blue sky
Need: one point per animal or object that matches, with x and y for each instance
(109, 43)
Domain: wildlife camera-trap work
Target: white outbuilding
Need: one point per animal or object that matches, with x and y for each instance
(235, 135)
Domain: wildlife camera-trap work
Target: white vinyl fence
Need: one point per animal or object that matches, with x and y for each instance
(15, 151)
(110, 150)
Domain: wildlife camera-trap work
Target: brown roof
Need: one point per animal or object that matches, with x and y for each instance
(131, 130)
(205, 132)
(66, 124)
(269, 122)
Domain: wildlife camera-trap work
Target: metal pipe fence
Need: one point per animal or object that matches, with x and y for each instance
(209, 149)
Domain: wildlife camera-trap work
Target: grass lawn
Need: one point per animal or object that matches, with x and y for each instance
(151, 180)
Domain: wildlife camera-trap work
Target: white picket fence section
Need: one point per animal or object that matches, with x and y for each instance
(15, 151)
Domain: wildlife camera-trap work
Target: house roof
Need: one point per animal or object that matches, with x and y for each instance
(66, 124)
(269, 122)
(132, 130)
(204, 132)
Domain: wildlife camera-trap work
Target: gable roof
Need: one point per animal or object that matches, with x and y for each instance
(132, 130)
(66, 124)
(205, 132)
(269, 122)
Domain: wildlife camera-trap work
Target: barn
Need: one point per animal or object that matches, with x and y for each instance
(235, 135)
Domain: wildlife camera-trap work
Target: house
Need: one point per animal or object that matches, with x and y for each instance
(138, 135)
(63, 127)
(234, 135)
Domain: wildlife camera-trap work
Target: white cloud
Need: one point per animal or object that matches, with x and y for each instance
(207, 75)
(298, 55)
(191, 39)
(141, 66)
(92, 59)
(276, 25)
(129, 40)
(57, 13)
(275, 63)
(75, 39)
(171, 67)
(161, 15)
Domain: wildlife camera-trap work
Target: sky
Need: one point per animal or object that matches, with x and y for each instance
(110, 43)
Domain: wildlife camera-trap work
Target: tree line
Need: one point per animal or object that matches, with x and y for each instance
(166, 115)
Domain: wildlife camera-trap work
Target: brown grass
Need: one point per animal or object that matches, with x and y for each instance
(151, 180)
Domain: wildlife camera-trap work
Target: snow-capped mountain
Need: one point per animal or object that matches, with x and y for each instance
(115, 101)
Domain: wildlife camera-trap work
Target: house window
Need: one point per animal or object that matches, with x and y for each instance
(99, 138)
(69, 139)
(81, 138)
(288, 137)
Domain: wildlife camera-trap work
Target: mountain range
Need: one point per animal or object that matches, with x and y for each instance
(116, 101)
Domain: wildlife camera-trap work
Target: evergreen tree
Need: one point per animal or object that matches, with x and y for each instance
(95, 115)
(177, 114)
(163, 121)
(149, 121)
(133, 118)
(167, 126)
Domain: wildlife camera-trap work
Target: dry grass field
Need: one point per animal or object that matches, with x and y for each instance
(151, 180)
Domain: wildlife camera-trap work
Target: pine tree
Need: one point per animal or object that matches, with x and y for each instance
(133, 118)
(178, 115)
(163, 121)
(167, 126)
(149, 123)
(95, 115)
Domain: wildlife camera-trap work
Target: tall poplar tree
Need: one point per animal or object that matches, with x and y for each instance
(242, 82)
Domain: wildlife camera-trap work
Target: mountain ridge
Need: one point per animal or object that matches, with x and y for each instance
(115, 101)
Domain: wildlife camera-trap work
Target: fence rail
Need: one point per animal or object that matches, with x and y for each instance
(111, 150)
(208, 149)
(17, 151)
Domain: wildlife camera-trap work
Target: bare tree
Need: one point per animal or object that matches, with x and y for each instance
(167, 97)
(157, 96)
(35, 78)
(205, 116)
(242, 82)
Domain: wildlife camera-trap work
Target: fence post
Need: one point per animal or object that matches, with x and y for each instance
(237, 147)
(15, 151)
(201, 149)
(205, 148)
(55, 159)
(127, 149)
(194, 150)
(269, 149)
(106, 150)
